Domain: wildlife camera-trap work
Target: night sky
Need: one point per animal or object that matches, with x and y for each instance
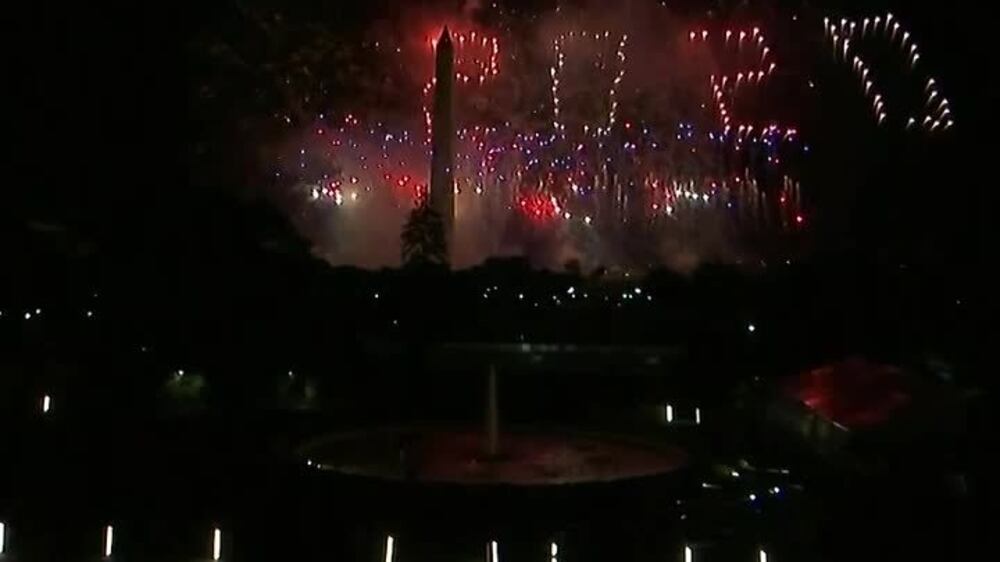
(107, 129)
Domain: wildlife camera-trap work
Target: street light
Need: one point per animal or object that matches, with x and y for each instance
(390, 544)
(109, 538)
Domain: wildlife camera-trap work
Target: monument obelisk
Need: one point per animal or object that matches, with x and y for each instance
(442, 192)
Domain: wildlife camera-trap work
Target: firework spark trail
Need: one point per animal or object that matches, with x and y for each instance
(725, 88)
(556, 71)
(935, 115)
(584, 176)
(477, 60)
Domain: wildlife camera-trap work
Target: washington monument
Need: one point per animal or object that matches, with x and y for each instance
(442, 192)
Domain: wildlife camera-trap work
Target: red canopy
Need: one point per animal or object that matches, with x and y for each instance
(854, 393)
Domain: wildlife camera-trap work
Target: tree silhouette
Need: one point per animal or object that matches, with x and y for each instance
(423, 239)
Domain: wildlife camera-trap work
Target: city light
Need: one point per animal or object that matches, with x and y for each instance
(390, 544)
(216, 544)
(109, 538)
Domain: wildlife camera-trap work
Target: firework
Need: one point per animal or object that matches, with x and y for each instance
(890, 30)
(587, 174)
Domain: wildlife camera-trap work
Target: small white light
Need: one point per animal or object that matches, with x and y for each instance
(776, 490)
(688, 554)
(762, 556)
(390, 544)
(554, 550)
(109, 538)
(734, 474)
(3, 537)
(90, 314)
(492, 552)
(751, 328)
(27, 316)
(46, 404)
(216, 544)
(697, 416)
(670, 413)
(753, 497)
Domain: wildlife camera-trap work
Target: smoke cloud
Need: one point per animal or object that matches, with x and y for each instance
(524, 186)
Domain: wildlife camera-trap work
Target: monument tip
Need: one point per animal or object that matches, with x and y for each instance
(445, 36)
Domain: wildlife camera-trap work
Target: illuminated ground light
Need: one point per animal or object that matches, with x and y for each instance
(216, 544)
(109, 540)
(492, 552)
(762, 555)
(553, 552)
(688, 554)
(390, 548)
(46, 404)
